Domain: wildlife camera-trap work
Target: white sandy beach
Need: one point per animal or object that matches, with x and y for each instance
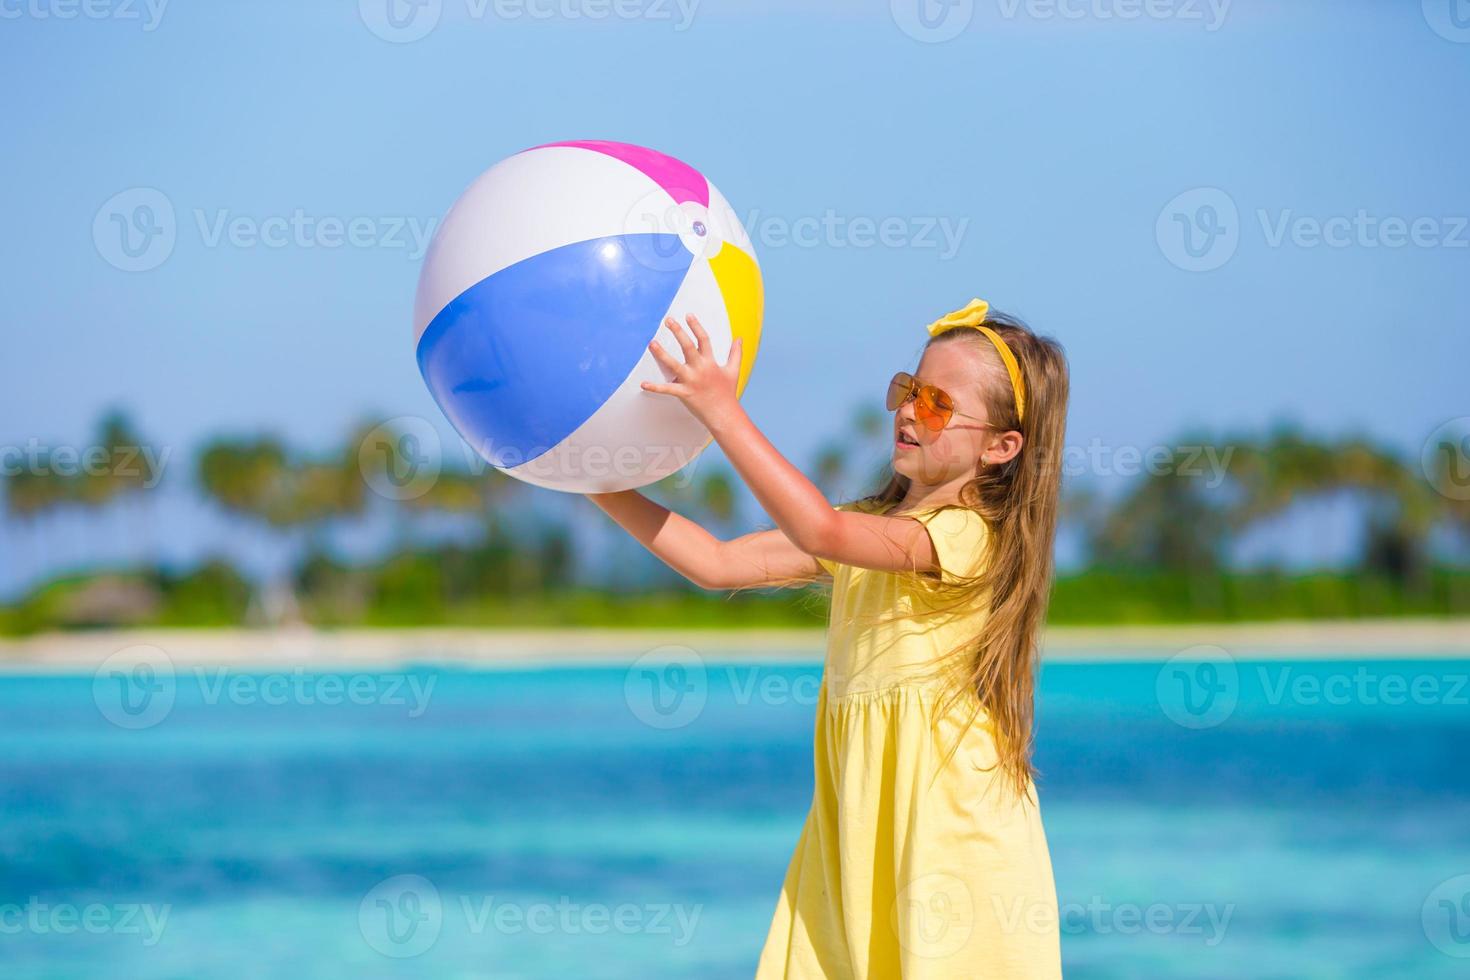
(335, 649)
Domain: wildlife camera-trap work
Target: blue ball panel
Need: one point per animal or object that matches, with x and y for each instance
(523, 357)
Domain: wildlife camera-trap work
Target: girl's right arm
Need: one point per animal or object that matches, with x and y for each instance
(763, 558)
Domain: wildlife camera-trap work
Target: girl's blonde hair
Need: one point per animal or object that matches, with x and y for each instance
(1018, 501)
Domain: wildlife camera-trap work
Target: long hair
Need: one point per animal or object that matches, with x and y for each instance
(1018, 501)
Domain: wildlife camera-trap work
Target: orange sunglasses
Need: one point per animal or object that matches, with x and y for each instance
(932, 406)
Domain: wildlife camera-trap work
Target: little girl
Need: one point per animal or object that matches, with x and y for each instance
(923, 855)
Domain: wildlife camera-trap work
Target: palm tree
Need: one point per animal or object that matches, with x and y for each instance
(243, 477)
(31, 493)
(260, 481)
(1447, 465)
(114, 466)
(1288, 467)
(128, 471)
(1168, 521)
(833, 467)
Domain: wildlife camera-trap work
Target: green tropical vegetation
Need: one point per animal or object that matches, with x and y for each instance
(1161, 549)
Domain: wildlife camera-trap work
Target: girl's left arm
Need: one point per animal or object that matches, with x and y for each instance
(708, 389)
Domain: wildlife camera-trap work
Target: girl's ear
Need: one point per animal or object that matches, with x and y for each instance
(1006, 447)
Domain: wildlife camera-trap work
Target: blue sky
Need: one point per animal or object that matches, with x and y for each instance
(1050, 147)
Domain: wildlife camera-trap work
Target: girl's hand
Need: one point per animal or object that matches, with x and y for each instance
(705, 386)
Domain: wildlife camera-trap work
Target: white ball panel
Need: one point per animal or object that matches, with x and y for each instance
(636, 437)
(530, 203)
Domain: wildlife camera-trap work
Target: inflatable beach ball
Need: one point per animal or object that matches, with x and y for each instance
(539, 295)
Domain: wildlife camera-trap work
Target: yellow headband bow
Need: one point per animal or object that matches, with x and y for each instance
(973, 316)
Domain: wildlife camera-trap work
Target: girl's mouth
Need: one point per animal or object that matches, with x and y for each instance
(904, 440)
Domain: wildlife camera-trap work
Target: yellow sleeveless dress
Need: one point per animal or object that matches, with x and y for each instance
(916, 862)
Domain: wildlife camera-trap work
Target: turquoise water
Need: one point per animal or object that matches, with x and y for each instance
(1206, 820)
